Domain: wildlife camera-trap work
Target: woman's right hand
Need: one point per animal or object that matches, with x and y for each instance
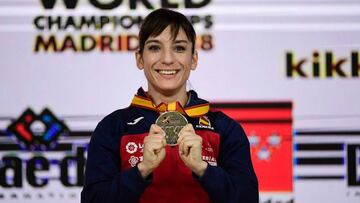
(153, 150)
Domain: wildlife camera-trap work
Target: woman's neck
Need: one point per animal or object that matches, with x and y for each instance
(168, 97)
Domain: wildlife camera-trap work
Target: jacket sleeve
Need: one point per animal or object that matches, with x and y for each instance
(234, 179)
(104, 182)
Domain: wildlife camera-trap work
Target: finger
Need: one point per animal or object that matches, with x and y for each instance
(155, 129)
(154, 143)
(161, 155)
(160, 138)
(157, 151)
(181, 138)
(183, 149)
(183, 134)
(185, 145)
(153, 138)
(161, 151)
(155, 147)
(163, 140)
(191, 142)
(187, 135)
(188, 128)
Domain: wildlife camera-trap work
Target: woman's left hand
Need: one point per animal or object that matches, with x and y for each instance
(190, 149)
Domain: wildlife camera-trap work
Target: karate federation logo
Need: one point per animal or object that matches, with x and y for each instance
(37, 132)
(131, 147)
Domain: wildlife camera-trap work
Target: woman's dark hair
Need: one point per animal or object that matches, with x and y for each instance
(158, 20)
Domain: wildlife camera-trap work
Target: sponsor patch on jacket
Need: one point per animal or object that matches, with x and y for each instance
(131, 150)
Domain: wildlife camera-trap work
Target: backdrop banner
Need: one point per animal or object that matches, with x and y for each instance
(287, 70)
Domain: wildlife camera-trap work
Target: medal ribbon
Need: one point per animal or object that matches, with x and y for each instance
(191, 111)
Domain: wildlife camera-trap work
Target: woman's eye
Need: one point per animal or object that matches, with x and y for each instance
(180, 48)
(153, 48)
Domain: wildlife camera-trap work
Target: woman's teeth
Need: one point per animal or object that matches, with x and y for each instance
(167, 72)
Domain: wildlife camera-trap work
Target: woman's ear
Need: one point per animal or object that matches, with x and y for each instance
(194, 60)
(139, 61)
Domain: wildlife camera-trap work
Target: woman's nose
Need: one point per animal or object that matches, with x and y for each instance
(167, 57)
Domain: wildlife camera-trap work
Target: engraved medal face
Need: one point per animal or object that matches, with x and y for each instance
(171, 122)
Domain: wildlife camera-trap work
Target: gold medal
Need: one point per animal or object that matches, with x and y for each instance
(171, 122)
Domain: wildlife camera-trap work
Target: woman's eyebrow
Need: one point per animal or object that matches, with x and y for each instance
(180, 41)
(151, 41)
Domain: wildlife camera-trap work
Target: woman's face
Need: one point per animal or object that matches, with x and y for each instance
(167, 62)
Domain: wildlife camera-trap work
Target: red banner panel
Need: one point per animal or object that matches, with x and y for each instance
(268, 126)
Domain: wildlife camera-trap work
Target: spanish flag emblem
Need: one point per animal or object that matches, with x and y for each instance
(204, 121)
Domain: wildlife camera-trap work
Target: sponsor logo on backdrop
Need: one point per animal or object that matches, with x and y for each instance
(353, 165)
(342, 166)
(37, 132)
(323, 65)
(103, 32)
(37, 151)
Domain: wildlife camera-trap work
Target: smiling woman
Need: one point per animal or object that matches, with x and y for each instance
(167, 63)
(167, 54)
(167, 146)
